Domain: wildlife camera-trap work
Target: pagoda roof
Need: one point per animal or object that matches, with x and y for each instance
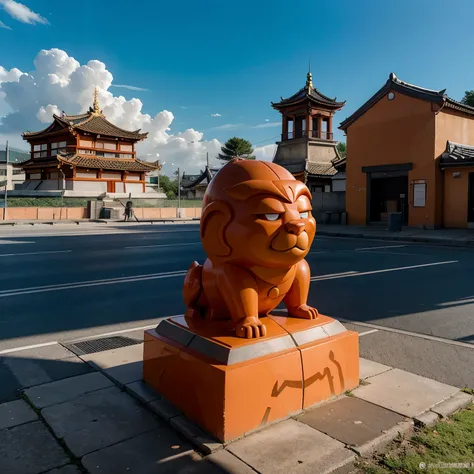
(92, 162)
(93, 122)
(189, 181)
(311, 94)
(395, 84)
(457, 155)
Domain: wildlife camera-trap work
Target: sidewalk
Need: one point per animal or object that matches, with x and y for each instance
(15, 222)
(80, 412)
(456, 237)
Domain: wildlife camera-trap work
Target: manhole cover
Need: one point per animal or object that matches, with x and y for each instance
(100, 345)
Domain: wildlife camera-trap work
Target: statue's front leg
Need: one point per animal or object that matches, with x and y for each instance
(296, 299)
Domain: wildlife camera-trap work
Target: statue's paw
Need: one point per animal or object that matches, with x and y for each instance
(304, 312)
(250, 328)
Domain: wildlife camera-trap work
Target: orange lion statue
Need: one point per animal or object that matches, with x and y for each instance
(256, 228)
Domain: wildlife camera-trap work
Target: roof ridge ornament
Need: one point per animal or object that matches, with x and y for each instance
(309, 80)
(95, 109)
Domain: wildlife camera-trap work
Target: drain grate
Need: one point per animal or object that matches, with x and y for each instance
(100, 345)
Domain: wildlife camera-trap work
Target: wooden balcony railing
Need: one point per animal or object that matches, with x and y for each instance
(322, 135)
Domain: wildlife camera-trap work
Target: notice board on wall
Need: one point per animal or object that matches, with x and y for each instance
(419, 195)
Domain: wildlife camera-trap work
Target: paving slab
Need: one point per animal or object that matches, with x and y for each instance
(164, 409)
(291, 446)
(369, 368)
(124, 365)
(229, 463)
(195, 434)
(141, 391)
(69, 469)
(404, 392)
(35, 371)
(159, 451)
(67, 389)
(351, 420)
(53, 352)
(16, 413)
(98, 419)
(29, 449)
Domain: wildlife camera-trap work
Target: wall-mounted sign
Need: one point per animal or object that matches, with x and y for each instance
(419, 195)
(456, 174)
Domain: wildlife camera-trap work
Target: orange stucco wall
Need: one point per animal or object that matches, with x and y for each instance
(458, 128)
(456, 197)
(393, 132)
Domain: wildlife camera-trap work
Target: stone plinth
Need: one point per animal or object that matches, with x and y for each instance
(231, 386)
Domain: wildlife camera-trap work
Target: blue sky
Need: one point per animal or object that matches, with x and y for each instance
(233, 58)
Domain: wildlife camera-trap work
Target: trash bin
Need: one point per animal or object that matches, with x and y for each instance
(106, 213)
(395, 221)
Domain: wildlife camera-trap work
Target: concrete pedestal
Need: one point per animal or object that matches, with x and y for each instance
(231, 386)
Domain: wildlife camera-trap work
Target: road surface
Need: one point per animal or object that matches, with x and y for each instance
(414, 302)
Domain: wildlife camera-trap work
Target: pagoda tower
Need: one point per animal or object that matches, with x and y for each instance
(307, 148)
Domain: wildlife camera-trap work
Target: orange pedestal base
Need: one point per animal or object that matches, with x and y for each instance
(231, 386)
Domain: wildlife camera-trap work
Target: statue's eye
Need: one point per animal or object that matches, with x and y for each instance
(304, 215)
(272, 217)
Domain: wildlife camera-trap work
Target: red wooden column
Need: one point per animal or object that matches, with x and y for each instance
(309, 125)
(329, 137)
(320, 126)
(284, 127)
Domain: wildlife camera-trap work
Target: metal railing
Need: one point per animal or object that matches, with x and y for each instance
(322, 135)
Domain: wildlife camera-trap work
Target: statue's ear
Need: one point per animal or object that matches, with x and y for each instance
(214, 222)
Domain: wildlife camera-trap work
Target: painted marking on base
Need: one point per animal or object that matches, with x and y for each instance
(33, 253)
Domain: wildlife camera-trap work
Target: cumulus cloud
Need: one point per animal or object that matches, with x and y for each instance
(58, 82)
(216, 115)
(132, 88)
(22, 13)
(268, 125)
(265, 153)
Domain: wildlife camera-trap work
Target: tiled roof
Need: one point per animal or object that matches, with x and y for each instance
(308, 92)
(36, 164)
(121, 164)
(204, 178)
(89, 122)
(457, 155)
(395, 84)
(320, 169)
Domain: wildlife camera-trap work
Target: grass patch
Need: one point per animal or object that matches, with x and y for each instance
(449, 441)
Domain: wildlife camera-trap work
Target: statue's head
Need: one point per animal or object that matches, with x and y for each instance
(256, 213)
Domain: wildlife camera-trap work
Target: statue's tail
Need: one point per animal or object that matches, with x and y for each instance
(192, 287)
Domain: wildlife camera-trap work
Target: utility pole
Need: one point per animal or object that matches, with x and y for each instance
(179, 193)
(207, 159)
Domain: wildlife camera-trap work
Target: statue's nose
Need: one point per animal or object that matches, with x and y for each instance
(295, 227)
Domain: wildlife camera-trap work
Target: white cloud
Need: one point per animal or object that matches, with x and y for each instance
(132, 88)
(268, 125)
(2, 25)
(216, 115)
(22, 13)
(59, 82)
(227, 126)
(267, 120)
(265, 153)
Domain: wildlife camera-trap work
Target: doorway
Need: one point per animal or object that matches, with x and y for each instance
(388, 194)
(110, 186)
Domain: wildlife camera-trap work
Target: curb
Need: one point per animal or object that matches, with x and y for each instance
(424, 240)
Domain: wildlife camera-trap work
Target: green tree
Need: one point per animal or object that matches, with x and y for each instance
(169, 186)
(236, 147)
(342, 149)
(468, 98)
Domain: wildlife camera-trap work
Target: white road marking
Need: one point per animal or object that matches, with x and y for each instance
(161, 245)
(385, 270)
(24, 348)
(14, 242)
(33, 253)
(328, 275)
(368, 332)
(84, 284)
(377, 248)
(122, 331)
(409, 333)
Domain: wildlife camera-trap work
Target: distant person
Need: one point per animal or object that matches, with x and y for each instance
(128, 213)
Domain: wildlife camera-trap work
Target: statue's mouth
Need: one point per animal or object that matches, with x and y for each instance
(285, 242)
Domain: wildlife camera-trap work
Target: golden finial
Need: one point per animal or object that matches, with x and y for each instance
(95, 104)
(309, 80)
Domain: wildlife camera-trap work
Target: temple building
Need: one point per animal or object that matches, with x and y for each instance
(85, 155)
(410, 150)
(194, 186)
(307, 148)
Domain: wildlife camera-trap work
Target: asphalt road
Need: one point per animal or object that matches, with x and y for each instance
(413, 303)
